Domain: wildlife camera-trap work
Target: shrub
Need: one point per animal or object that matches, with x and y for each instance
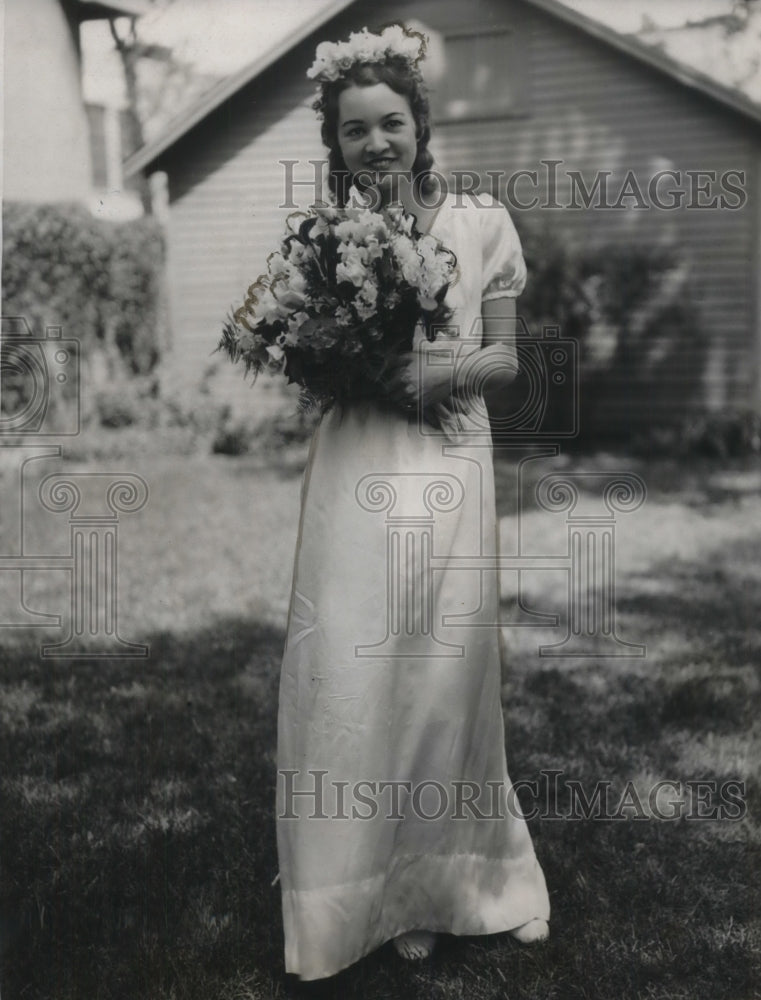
(234, 438)
(723, 434)
(100, 281)
(727, 434)
(135, 305)
(629, 307)
(119, 405)
(287, 430)
(281, 433)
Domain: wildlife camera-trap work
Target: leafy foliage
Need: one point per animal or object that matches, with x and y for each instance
(642, 348)
(100, 281)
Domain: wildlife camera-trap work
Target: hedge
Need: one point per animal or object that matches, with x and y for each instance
(630, 308)
(100, 281)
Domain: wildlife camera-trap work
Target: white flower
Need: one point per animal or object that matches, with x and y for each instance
(426, 303)
(326, 216)
(407, 259)
(297, 320)
(366, 300)
(333, 59)
(324, 65)
(276, 353)
(289, 290)
(296, 281)
(268, 308)
(297, 253)
(374, 250)
(351, 270)
(289, 299)
(276, 263)
(369, 292)
(356, 198)
(401, 222)
(362, 227)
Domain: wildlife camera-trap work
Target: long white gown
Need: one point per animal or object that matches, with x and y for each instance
(391, 670)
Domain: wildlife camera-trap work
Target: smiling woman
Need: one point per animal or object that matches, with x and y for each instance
(391, 670)
(376, 134)
(376, 126)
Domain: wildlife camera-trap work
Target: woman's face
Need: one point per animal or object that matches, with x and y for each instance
(376, 133)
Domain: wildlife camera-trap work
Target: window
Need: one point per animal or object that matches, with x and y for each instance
(95, 116)
(483, 77)
(106, 146)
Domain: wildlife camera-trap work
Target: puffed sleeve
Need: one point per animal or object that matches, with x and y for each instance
(503, 269)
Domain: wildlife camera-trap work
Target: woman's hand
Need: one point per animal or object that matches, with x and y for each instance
(429, 374)
(435, 375)
(424, 384)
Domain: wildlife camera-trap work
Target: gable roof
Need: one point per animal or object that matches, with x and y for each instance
(226, 87)
(632, 46)
(655, 57)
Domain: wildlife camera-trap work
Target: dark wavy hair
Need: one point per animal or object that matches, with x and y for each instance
(397, 73)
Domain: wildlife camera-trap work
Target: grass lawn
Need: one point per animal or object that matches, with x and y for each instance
(136, 796)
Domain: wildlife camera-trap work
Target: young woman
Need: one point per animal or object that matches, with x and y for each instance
(395, 813)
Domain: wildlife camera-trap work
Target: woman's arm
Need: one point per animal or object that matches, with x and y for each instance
(492, 370)
(499, 321)
(488, 370)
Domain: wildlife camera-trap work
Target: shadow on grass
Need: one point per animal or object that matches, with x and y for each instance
(137, 819)
(139, 843)
(696, 482)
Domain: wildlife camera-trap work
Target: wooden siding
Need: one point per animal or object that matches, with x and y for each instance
(225, 218)
(585, 104)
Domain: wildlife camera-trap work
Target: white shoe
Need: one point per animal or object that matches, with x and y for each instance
(531, 932)
(415, 945)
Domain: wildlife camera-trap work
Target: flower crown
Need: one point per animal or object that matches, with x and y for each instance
(334, 59)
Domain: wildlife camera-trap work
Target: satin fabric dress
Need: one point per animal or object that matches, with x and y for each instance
(394, 805)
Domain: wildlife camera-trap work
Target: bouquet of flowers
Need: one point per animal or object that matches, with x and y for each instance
(340, 303)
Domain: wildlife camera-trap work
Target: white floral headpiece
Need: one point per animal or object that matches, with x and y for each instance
(334, 59)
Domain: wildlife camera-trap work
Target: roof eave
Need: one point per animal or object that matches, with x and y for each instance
(654, 57)
(221, 91)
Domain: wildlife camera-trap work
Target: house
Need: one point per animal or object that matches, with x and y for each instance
(611, 141)
(47, 155)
